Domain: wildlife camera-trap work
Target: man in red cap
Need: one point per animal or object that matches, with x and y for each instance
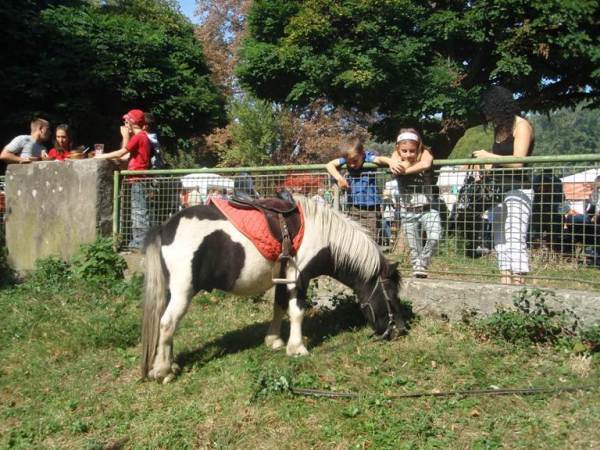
(136, 149)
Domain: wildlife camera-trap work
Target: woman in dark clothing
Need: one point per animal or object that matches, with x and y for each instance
(513, 136)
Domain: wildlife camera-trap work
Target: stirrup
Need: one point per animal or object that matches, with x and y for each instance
(283, 281)
(292, 261)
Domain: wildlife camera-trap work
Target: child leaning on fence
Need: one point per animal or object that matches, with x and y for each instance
(415, 195)
(362, 197)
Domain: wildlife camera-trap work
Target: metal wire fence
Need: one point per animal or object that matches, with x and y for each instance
(535, 224)
(2, 205)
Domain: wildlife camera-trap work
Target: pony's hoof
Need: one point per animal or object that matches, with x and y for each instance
(297, 350)
(168, 378)
(165, 374)
(274, 342)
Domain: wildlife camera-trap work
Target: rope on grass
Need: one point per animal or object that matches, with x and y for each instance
(468, 392)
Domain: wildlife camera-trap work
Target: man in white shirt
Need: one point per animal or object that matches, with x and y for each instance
(27, 147)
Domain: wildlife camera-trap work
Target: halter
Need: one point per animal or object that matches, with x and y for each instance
(391, 326)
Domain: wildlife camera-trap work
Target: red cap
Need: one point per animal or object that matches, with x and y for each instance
(136, 116)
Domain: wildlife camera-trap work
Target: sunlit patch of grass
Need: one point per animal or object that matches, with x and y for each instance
(68, 381)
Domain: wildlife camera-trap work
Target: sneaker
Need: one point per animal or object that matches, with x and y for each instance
(419, 272)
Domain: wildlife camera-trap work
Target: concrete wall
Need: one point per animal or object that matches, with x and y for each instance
(449, 300)
(54, 207)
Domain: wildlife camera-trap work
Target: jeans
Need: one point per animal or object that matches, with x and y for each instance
(413, 224)
(510, 223)
(140, 221)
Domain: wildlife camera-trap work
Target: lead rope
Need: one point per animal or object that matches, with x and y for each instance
(388, 303)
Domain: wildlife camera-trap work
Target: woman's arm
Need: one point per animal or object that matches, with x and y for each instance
(332, 168)
(523, 136)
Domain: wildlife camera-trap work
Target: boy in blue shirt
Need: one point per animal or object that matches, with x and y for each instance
(362, 196)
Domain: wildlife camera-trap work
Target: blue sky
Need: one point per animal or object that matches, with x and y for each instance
(188, 7)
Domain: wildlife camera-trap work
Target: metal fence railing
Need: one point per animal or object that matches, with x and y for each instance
(466, 222)
(2, 204)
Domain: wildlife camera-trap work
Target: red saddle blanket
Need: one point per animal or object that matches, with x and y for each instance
(253, 224)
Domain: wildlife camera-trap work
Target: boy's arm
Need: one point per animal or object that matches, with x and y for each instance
(117, 154)
(332, 168)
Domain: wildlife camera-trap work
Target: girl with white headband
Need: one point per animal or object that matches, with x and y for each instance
(417, 214)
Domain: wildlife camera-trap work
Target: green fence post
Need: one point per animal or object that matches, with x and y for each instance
(116, 207)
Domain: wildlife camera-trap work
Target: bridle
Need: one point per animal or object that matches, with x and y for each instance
(391, 326)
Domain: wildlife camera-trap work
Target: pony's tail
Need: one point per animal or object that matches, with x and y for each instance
(155, 299)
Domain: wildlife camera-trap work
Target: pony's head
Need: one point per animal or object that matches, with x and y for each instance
(380, 305)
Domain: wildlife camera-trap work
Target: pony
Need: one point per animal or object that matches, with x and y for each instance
(198, 248)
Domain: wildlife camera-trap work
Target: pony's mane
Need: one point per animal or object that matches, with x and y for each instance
(350, 244)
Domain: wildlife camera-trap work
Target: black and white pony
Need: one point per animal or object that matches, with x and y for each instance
(199, 249)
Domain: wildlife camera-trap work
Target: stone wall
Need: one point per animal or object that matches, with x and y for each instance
(450, 300)
(54, 207)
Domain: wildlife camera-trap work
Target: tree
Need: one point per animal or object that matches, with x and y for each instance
(567, 131)
(221, 30)
(91, 63)
(422, 63)
(253, 136)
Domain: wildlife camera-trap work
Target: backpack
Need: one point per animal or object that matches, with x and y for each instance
(156, 159)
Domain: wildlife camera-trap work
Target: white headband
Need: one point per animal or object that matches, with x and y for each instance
(407, 136)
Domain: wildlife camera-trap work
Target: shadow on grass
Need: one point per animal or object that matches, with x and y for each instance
(317, 326)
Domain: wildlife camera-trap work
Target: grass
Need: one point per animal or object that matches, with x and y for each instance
(69, 380)
(548, 269)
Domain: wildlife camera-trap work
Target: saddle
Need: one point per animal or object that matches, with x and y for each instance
(283, 218)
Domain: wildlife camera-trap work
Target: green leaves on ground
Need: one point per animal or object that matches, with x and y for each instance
(98, 262)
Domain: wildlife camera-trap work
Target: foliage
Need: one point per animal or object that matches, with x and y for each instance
(87, 64)
(268, 132)
(272, 381)
(254, 134)
(531, 321)
(474, 138)
(222, 26)
(51, 272)
(590, 338)
(7, 275)
(421, 63)
(567, 131)
(98, 262)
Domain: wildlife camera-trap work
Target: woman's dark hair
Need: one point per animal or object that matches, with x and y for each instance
(67, 129)
(499, 108)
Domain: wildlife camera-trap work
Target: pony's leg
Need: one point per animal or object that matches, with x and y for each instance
(295, 346)
(273, 337)
(164, 368)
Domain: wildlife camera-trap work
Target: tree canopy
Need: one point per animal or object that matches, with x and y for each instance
(87, 64)
(422, 63)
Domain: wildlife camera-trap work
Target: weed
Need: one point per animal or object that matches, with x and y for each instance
(98, 262)
(7, 275)
(272, 381)
(532, 321)
(50, 273)
(590, 337)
